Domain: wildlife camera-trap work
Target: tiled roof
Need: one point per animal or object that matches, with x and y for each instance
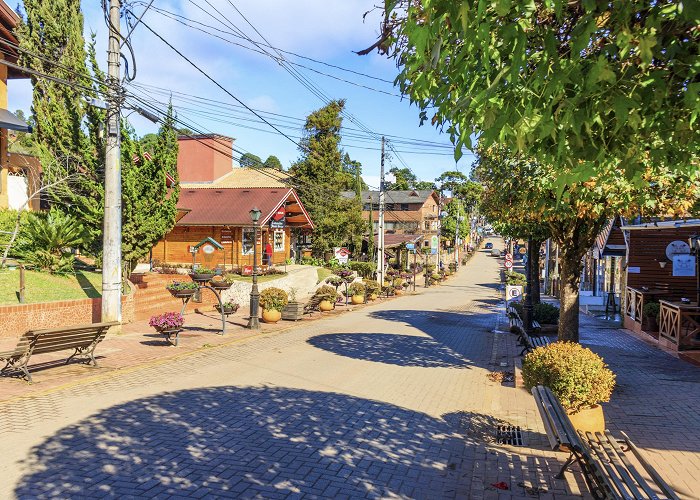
(219, 207)
(392, 240)
(410, 196)
(246, 177)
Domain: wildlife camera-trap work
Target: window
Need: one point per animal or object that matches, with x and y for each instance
(404, 207)
(390, 226)
(426, 243)
(248, 235)
(389, 207)
(278, 241)
(427, 225)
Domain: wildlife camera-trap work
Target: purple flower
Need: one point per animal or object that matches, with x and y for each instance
(167, 320)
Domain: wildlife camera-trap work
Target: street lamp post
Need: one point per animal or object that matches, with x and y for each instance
(253, 322)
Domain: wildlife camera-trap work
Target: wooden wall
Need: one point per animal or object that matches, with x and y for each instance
(646, 248)
(174, 248)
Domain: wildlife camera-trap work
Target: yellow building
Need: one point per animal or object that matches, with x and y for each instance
(17, 172)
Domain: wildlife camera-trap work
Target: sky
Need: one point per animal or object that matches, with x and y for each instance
(327, 31)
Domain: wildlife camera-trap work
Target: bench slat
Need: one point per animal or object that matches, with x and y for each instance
(629, 466)
(622, 471)
(604, 466)
(551, 428)
(668, 491)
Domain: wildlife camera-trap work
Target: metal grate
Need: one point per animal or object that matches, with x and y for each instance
(508, 434)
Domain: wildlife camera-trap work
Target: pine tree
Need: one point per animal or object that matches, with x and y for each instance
(66, 128)
(320, 174)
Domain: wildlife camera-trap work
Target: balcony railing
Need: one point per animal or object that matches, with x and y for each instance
(680, 324)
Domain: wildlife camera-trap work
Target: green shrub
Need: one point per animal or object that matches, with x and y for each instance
(54, 264)
(372, 286)
(515, 278)
(576, 375)
(356, 288)
(652, 309)
(326, 292)
(177, 286)
(546, 314)
(273, 299)
(363, 269)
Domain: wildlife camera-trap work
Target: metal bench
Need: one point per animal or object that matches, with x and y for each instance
(604, 460)
(515, 320)
(82, 339)
(530, 342)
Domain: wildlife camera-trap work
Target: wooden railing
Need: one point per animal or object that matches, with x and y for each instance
(634, 304)
(680, 324)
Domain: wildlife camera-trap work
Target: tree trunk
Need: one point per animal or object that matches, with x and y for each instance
(569, 295)
(533, 262)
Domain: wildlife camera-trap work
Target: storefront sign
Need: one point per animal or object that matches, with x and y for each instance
(208, 249)
(342, 254)
(683, 265)
(226, 236)
(410, 246)
(278, 220)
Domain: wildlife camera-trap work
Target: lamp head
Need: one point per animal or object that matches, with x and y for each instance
(255, 214)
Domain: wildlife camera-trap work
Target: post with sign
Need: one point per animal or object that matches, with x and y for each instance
(411, 247)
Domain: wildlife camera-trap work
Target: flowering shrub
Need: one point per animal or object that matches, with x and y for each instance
(326, 292)
(166, 321)
(273, 299)
(356, 289)
(178, 286)
(334, 280)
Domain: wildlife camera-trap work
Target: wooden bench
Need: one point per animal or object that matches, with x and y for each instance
(604, 460)
(82, 339)
(530, 342)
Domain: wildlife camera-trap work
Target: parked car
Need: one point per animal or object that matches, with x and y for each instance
(495, 252)
(488, 246)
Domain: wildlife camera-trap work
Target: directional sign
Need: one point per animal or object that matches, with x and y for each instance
(508, 264)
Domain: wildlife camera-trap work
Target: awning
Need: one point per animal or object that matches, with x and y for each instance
(11, 122)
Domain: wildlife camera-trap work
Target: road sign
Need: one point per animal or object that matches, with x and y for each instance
(513, 291)
(410, 246)
(509, 257)
(508, 264)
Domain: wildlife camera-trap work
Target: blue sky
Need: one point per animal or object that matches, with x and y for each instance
(327, 31)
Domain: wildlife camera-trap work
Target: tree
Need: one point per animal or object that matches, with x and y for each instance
(455, 216)
(148, 143)
(582, 84)
(149, 206)
(23, 142)
(273, 162)
(461, 187)
(405, 180)
(318, 174)
(522, 195)
(250, 160)
(65, 126)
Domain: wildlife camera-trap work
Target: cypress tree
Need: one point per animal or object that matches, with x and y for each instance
(55, 30)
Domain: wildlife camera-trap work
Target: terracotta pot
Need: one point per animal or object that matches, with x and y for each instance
(589, 419)
(398, 291)
(325, 305)
(372, 296)
(357, 299)
(271, 315)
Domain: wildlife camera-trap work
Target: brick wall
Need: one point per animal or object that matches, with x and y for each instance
(17, 319)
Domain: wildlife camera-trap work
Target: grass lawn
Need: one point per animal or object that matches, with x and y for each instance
(323, 273)
(261, 279)
(45, 287)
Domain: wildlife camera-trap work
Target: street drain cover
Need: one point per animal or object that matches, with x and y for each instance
(508, 434)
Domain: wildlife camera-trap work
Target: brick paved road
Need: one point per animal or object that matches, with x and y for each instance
(391, 401)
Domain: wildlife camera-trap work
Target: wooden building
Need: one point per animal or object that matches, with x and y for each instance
(662, 269)
(223, 215)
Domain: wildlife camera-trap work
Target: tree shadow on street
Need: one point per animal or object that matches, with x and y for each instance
(249, 442)
(403, 350)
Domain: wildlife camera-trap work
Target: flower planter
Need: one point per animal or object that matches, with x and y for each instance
(201, 276)
(182, 294)
(398, 292)
(325, 306)
(170, 334)
(357, 299)
(589, 419)
(220, 285)
(293, 311)
(227, 310)
(271, 315)
(372, 296)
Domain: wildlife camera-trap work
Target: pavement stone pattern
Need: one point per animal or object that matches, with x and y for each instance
(392, 400)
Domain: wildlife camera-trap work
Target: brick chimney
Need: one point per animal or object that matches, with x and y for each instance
(204, 158)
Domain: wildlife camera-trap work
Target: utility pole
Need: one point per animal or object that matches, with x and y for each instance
(457, 236)
(112, 235)
(380, 235)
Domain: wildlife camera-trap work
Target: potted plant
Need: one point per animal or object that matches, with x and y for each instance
(356, 291)
(650, 314)
(202, 274)
(221, 282)
(169, 324)
(273, 300)
(577, 376)
(372, 288)
(398, 286)
(294, 310)
(182, 289)
(327, 296)
(388, 290)
(227, 307)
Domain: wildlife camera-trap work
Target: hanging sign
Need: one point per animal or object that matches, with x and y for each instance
(208, 249)
(410, 246)
(226, 236)
(278, 220)
(513, 292)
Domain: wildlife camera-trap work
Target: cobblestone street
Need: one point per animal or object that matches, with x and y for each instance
(393, 400)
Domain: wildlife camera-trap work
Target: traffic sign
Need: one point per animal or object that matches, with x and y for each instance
(509, 256)
(508, 264)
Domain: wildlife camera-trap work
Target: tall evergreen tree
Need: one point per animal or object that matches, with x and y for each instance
(273, 162)
(149, 206)
(66, 128)
(320, 174)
